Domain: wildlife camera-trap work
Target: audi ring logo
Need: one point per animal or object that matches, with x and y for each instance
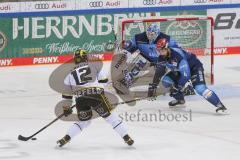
(149, 2)
(96, 4)
(200, 1)
(41, 6)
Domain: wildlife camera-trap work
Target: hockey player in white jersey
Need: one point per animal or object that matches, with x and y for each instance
(87, 83)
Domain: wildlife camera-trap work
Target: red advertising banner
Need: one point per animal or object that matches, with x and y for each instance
(6, 62)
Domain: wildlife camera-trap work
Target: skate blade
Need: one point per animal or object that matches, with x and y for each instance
(180, 106)
(223, 113)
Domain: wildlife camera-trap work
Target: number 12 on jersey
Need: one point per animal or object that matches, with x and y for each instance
(81, 75)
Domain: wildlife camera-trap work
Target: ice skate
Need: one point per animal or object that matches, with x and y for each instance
(64, 140)
(128, 140)
(222, 110)
(176, 104)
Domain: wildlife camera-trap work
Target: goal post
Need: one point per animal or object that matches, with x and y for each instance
(194, 34)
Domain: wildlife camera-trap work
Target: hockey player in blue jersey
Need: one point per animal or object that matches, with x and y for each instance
(146, 42)
(176, 68)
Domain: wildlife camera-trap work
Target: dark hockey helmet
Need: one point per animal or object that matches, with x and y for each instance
(80, 55)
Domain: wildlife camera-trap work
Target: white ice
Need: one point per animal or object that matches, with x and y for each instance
(27, 104)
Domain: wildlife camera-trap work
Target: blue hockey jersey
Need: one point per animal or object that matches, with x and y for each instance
(148, 49)
(181, 61)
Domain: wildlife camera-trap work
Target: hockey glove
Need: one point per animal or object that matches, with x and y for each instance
(176, 93)
(67, 110)
(187, 89)
(152, 91)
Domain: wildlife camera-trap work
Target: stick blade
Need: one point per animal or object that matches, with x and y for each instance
(21, 138)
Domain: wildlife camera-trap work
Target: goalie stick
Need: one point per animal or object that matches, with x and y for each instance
(23, 138)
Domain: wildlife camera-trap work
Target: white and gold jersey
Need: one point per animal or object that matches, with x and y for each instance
(86, 75)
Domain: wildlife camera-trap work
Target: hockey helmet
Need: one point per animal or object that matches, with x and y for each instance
(162, 47)
(80, 55)
(153, 31)
(162, 43)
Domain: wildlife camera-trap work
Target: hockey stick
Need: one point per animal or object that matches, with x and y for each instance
(22, 138)
(133, 100)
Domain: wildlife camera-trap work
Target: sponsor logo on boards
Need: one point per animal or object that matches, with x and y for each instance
(42, 6)
(149, 2)
(200, 1)
(5, 7)
(95, 4)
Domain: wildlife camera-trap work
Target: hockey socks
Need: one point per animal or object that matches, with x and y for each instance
(117, 124)
(119, 127)
(211, 97)
(113, 119)
(77, 127)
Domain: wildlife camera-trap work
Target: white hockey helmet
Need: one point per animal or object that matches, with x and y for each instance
(153, 31)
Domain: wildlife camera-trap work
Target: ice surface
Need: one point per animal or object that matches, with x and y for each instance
(27, 104)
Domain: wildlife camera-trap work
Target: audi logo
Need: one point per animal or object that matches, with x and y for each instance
(41, 6)
(149, 2)
(96, 4)
(200, 1)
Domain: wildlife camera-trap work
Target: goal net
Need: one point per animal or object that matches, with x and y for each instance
(194, 34)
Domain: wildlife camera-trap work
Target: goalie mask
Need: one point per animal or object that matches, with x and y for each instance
(80, 55)
(152, 32)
